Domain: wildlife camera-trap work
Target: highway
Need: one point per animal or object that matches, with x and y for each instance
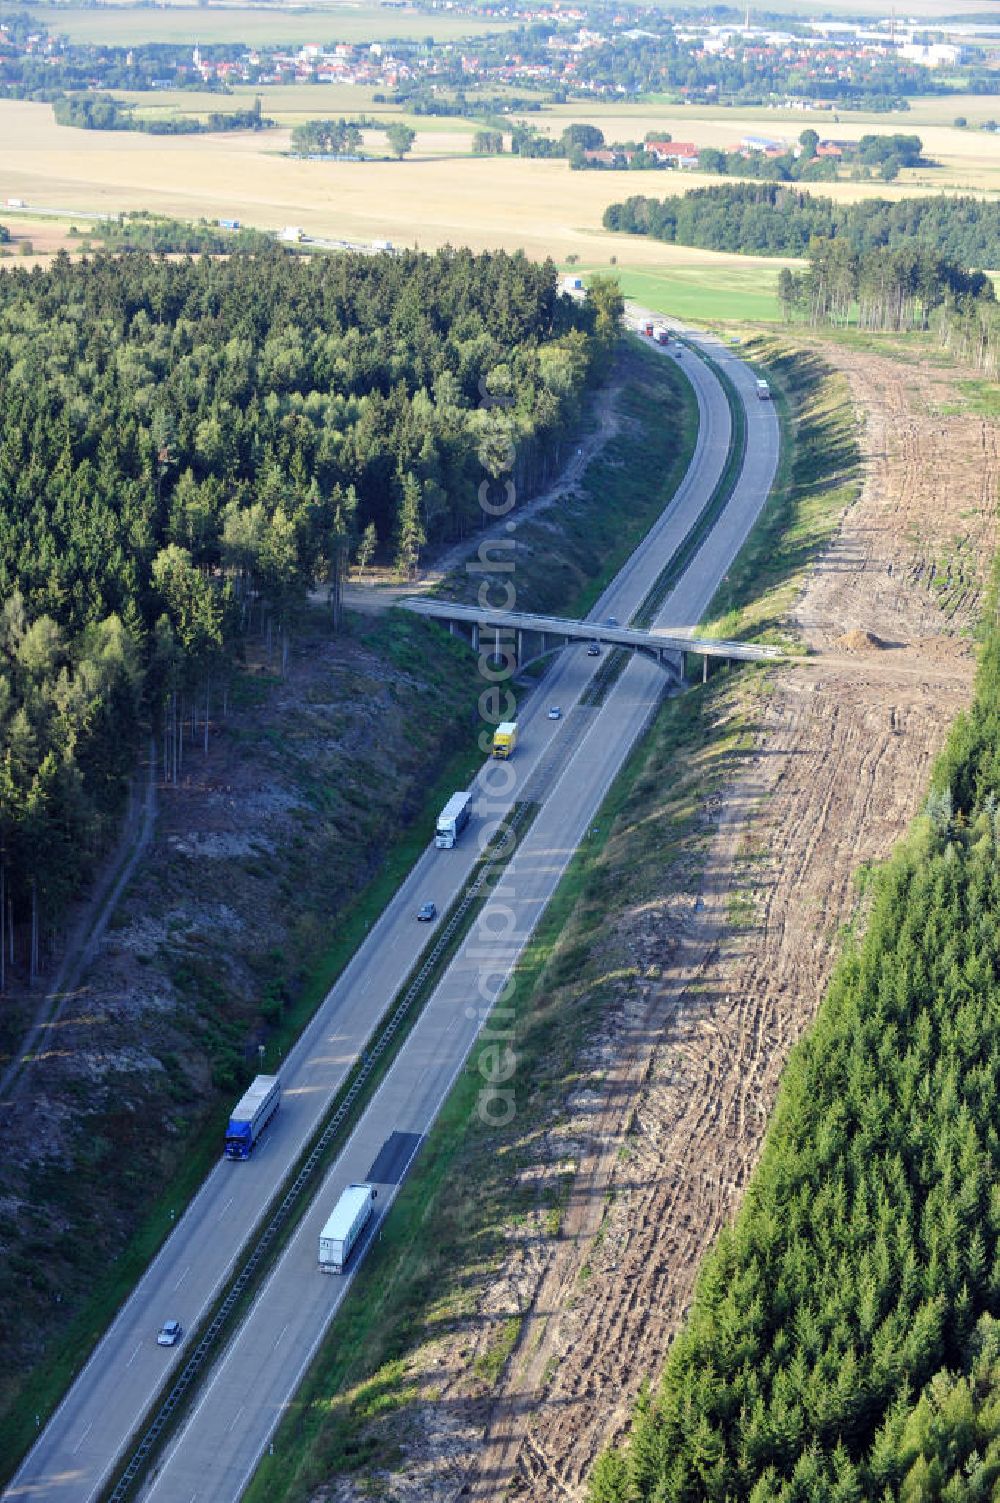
(229, 1427)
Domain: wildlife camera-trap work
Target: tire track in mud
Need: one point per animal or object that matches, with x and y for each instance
(839, 764)
(667, 1119)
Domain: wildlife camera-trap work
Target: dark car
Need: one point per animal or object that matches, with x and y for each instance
(426, 913)
(169, 1333)
(594, 650)
(611, 621)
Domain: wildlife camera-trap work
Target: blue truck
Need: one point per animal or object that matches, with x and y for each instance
(251, 1115)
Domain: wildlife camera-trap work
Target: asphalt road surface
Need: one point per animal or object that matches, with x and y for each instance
(229, 1428)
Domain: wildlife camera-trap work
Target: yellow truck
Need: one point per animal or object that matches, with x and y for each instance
(505, 738)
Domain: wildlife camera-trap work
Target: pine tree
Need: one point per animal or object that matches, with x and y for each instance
(411, 536)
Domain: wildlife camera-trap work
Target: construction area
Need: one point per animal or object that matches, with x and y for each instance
(713, 980)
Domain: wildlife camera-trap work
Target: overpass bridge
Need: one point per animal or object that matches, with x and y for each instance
(515, 631)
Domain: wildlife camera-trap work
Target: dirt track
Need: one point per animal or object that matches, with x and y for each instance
(685, 1077)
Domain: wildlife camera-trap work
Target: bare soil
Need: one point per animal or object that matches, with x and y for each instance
(236, 897)
(725, 971)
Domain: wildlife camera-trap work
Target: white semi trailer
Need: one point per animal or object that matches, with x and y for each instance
(344, 1226)
(452, 820)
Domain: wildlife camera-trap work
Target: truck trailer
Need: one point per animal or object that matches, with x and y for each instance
(452, 820)
(662, 335)
(251, 1115)
(344, 1226)
(505, 739)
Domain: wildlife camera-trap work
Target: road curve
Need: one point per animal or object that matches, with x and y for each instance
(224, 1437)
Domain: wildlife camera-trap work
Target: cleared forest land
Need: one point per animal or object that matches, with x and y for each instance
(687, 953)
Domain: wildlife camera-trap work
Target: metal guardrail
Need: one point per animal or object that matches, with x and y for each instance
(369, 1060)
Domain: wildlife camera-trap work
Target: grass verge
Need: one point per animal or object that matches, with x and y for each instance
(713, 510)
(451, 1222)
(289, 1205)
(471, 1184)
(819, 477)
(659, 410)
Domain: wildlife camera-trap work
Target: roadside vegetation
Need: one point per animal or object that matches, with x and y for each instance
(485, 1191)
(565, 555)
(843, 1342)
(818, 477)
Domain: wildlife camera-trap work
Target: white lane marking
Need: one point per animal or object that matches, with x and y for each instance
(281, 1333)
(366, 986)
(232, 1423)
(183, 1277)
(83, 1437)
(225, 1208)
(133, 1356)
(605, 782)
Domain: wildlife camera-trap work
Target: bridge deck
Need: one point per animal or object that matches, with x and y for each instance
(657, 641)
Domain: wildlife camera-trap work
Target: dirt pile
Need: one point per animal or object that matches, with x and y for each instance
(860, 641)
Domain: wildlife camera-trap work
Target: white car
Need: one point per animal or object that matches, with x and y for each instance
(555, 713)
(169, 1334)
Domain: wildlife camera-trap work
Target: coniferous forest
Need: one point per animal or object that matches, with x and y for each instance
(770, 219)
(843, 1344)
(187, 449)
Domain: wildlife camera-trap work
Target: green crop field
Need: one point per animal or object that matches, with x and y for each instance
(124, 25)
(708, 292)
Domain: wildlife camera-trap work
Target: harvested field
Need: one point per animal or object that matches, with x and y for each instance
(708, 977)
(439, 196)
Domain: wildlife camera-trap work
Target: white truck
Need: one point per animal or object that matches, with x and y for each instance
(763, 391)
(452, 820)
(344, 1226)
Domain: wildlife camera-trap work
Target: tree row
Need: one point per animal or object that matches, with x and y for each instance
(764, 219)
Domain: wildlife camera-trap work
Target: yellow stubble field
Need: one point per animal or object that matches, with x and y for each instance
(437, 196)
(428, 200)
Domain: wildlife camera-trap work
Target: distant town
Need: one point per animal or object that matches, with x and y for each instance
(556, 52)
